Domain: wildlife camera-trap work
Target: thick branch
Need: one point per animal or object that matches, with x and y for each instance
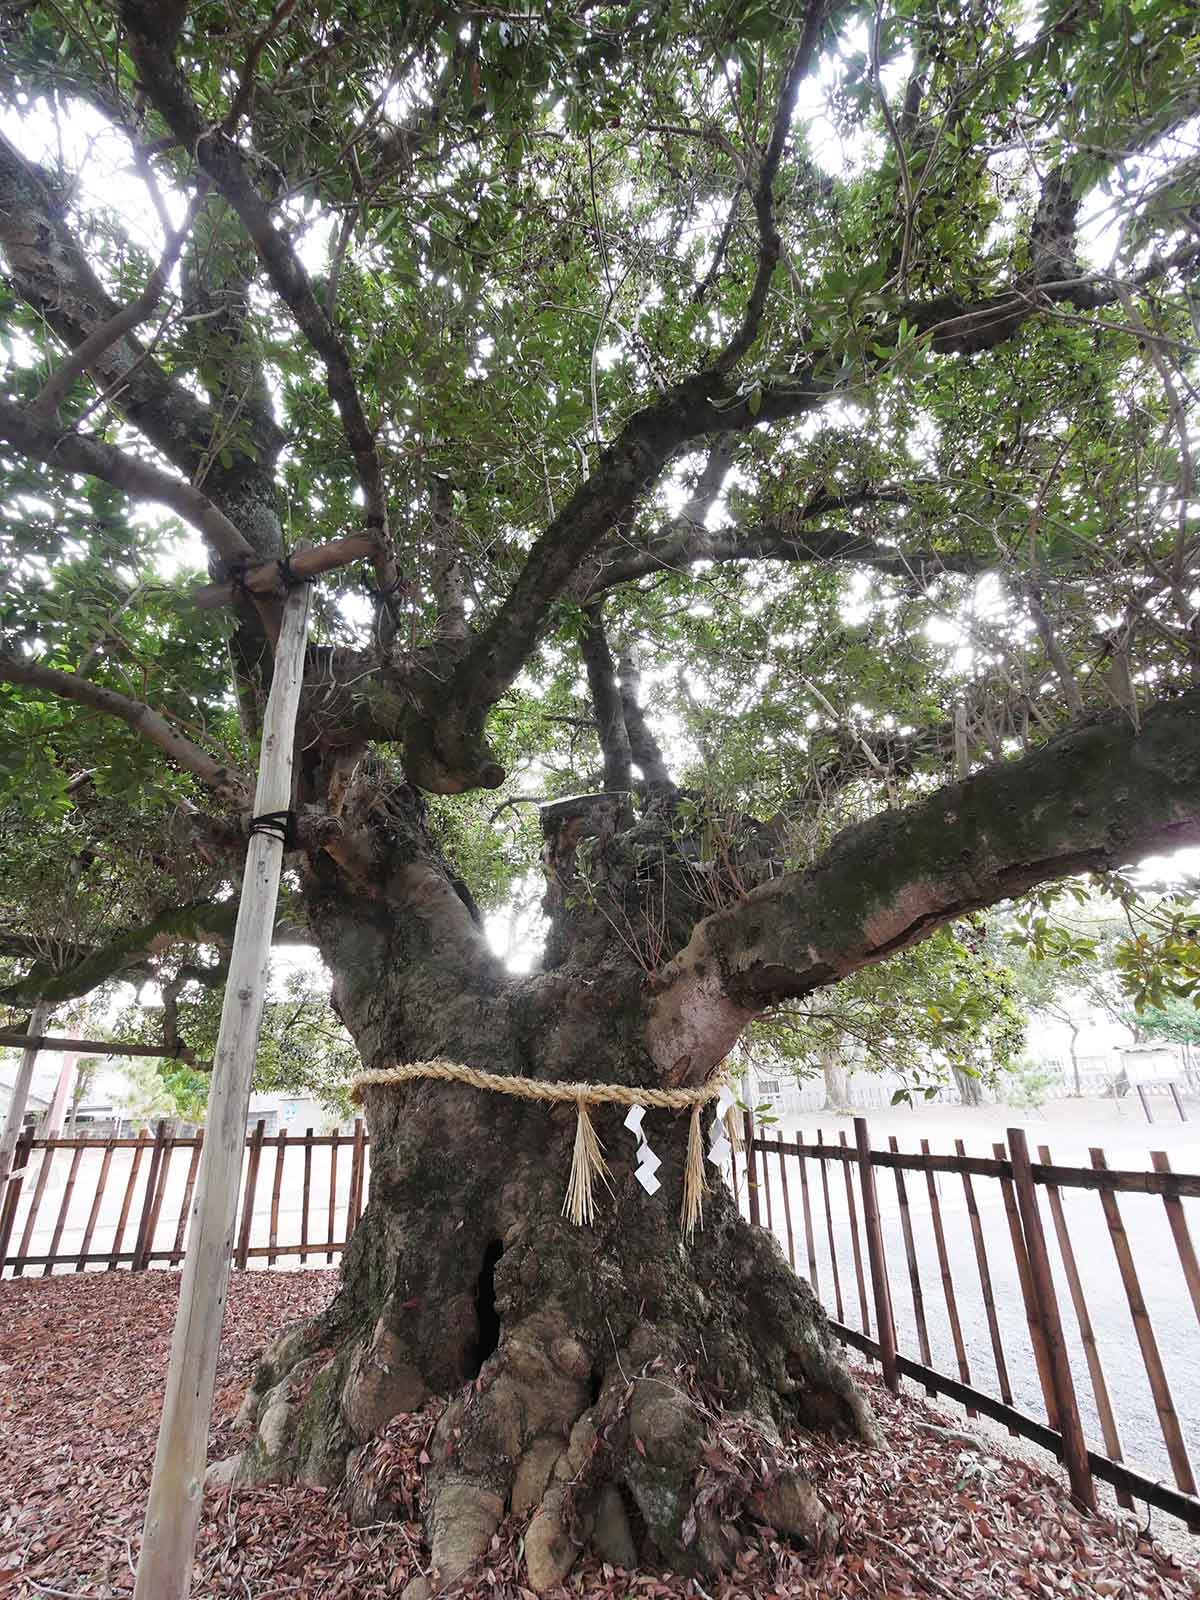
(770, 245)
(87, 355)
(645, 747)
(446, 575)
(146, 722)
(771, 542)
(1097, 797)
(201, 922)
(224, 164)
(76, 452)
(51, 273)
(606, 699)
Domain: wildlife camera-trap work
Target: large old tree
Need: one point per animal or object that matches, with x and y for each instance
(757, 431)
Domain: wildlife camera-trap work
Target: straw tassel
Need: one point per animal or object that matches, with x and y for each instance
(694, 1185)
(587, 1164)
(733, 1130)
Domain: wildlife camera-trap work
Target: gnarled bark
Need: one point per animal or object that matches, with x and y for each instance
(561, 1348)
(581, 1365)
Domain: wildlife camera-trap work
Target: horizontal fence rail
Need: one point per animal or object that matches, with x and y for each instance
(127, 1202)
(993, 1310)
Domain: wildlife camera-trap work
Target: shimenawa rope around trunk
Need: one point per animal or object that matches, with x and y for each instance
(587, 1160)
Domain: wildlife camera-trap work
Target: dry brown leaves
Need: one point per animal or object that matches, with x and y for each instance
(82, 1360)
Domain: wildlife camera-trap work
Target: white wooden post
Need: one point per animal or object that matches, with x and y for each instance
(20, 1094)
(177, 1485)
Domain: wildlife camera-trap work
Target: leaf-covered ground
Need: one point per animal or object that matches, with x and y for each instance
(81, 1367)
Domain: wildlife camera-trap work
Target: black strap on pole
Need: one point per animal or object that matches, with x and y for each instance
(279, 825)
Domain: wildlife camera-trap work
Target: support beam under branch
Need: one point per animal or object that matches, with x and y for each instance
(177, 1485)
(83, 1047)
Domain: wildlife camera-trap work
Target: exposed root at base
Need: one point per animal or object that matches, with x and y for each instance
(653, 1473)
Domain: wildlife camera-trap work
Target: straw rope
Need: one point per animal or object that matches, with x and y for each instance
(587, 1161)
(593, 1094)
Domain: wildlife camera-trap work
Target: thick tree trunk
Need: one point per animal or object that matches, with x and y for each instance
(579, 1362)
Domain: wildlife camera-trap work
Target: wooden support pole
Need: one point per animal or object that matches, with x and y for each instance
(177, 1483)
(1074, 1446)
(875, 1252)
(15, 1116)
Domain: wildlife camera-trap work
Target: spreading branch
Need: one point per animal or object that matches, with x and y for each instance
(76, 452)
(1096, 798)
(80, 971)
(87, 355)
(772, 542)
(53, 276)
(143, 719)
(770, 245)
(223, 163)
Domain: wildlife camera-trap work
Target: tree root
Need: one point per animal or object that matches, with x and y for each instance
(634, 1399)
(650, 1451)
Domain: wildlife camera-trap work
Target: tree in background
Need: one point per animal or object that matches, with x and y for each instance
(944, 1011)
(1109, 948)
(762, 433)
(145, 1097)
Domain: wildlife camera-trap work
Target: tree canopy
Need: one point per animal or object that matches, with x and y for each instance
(789, 409)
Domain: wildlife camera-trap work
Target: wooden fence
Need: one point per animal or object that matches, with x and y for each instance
(74, 1204)
(788, 1187)
(127, 1202)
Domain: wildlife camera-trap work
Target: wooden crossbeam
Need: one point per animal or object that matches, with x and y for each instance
(82, 1047)
(269, 577)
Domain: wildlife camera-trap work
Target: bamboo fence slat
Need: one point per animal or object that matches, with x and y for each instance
(1160, 1389)
(1104, 1410)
